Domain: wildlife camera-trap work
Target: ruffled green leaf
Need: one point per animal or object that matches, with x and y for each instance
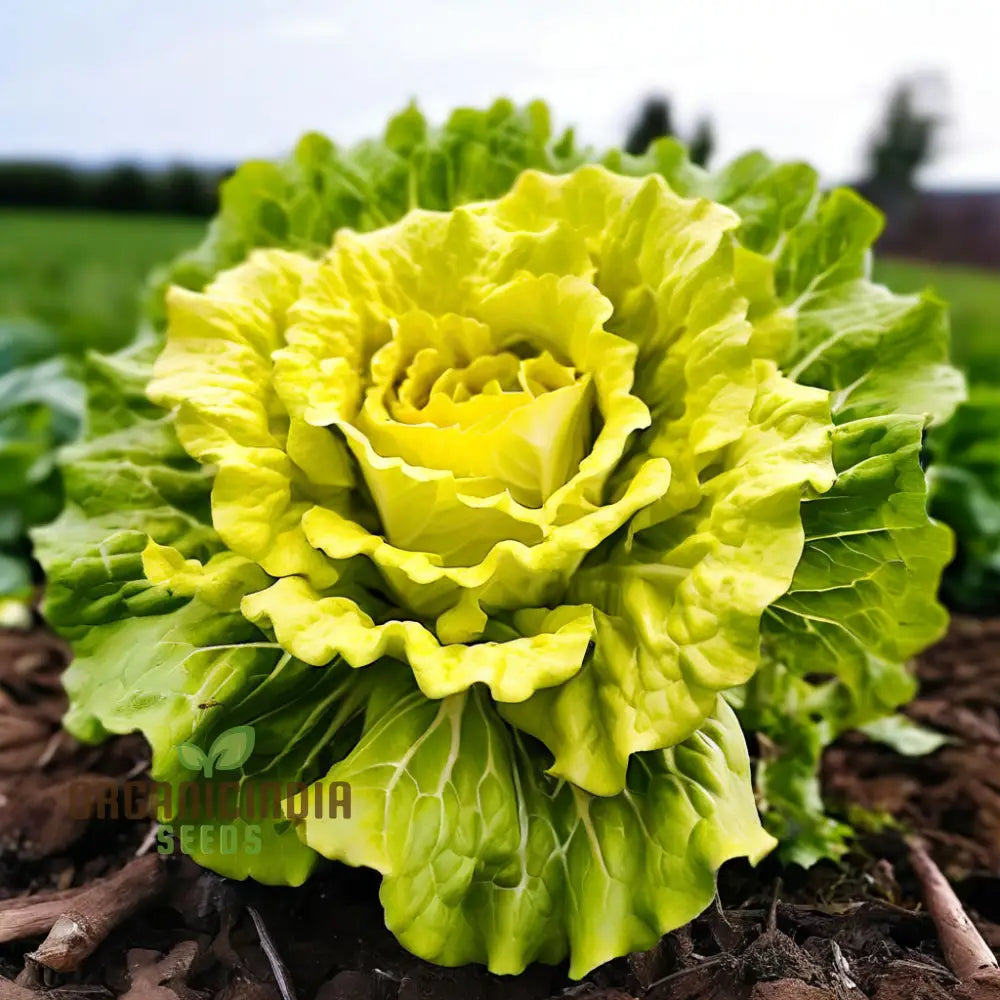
(863, 599)
(504, 864)
(744, 446)
(127, 480)
(835, 654)
(516, 866)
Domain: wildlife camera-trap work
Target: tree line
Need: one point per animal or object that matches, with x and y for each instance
(178, 189)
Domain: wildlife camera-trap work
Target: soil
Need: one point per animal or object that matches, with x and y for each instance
(130, 924)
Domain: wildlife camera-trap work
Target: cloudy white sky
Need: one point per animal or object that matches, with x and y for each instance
(219, 80)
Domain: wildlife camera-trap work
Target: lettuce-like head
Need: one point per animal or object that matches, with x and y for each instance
(486, 482)
(538, 443)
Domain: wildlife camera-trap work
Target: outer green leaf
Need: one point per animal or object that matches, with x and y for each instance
(178, 679)
(905, 736)
(169, 662)
(126, 480)
(502, 863)
(884, 359)
(863, 598)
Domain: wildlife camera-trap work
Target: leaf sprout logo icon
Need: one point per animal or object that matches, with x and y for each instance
(231, 749)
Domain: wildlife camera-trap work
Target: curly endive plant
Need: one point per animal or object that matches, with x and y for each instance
(488, 475)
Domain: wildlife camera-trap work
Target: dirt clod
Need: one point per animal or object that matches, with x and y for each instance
(789, 989)
(348, 985)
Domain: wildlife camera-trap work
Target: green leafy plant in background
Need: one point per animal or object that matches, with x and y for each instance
(490, 475)
(965, 492)
(965, 452)
(68, 283)
(41, 405)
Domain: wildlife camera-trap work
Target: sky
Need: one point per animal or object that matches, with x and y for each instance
(225, 80)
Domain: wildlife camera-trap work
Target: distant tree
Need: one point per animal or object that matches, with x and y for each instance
(655, 121)
(905, 140)
(40, 184)
(180, 189)
(702, 143)
(123, 187)
(187, 190)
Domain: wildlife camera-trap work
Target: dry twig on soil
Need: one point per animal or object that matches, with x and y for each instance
(278, 967)
(965, 951)
(29, 916)
(11, 991)
(79, 920)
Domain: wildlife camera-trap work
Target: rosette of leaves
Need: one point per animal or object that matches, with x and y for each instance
(475, 475)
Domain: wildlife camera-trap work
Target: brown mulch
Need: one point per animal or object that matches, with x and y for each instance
(952, 796)
(88, 911)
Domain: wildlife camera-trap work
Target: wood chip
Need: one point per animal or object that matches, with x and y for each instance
(79, 920)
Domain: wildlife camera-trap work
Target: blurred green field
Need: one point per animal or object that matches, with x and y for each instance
(82, 273)
(974, 300)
